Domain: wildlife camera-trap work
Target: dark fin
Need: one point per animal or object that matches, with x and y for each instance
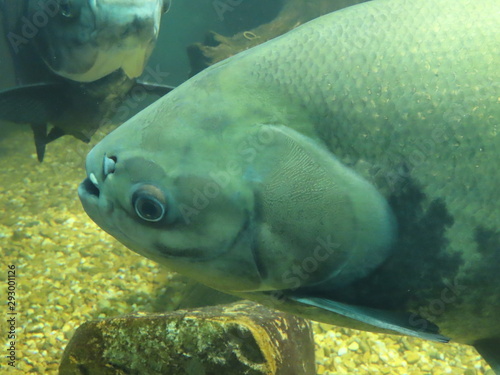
(40, 134)
(490, 351)
(31, 104)
(36, 105)
(154, 88)
(54, 134)
(397, 322)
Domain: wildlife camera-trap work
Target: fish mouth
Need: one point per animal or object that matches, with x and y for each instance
(92, 201)
(88, 188)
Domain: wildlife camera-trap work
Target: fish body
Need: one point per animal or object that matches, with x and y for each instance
(346, 172)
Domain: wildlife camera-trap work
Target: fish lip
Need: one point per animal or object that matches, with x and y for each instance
(89, 196)
(95, 205)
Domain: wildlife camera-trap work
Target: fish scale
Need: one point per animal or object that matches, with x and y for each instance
(403, 102)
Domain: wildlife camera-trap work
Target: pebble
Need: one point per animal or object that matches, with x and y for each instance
(353, 346)
(412, 357)
(342, 351)
(390, 355)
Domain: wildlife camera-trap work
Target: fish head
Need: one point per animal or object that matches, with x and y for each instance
(205, 186)
(85, 40)
(160, 195)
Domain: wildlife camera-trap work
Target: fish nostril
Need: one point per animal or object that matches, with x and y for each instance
(109, 165)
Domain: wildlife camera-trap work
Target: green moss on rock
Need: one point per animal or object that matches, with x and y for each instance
(241, 338)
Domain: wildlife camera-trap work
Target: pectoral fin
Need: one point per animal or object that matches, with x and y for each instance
(490, 351)
(397, 322)
(305, 195)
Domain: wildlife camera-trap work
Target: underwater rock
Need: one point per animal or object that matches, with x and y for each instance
(217, 47)
(241, 338)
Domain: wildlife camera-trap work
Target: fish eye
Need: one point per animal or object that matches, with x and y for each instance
(67, 8)
(149, 203)
(149, 209)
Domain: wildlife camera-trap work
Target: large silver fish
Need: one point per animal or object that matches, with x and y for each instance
(75, 61)
(346, 171)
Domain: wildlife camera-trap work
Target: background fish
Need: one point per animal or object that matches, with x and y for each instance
(84, 40)
(75, 61)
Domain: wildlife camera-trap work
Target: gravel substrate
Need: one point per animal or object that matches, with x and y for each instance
(69, 272)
